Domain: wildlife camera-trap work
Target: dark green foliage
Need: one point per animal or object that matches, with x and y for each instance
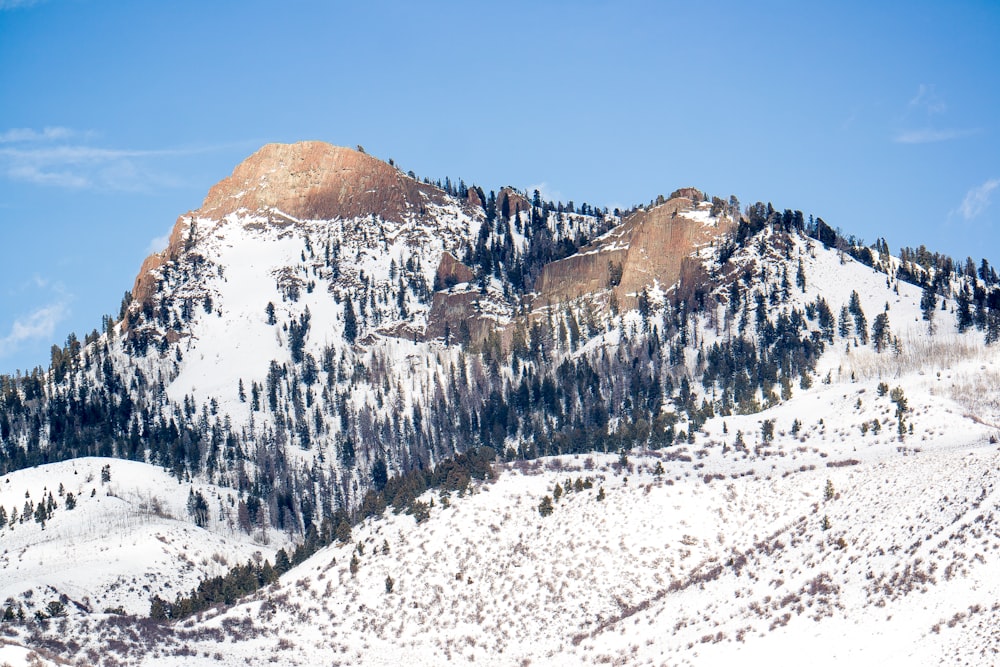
(350, 321)
(860, 322)
(380, 475)
(881, 335)
(226, 590)
(545, 507)
(928, 304)
(55, 609)
(767, 430)
(197, 507)
(297, 332)
(419, 510)
(614, 274)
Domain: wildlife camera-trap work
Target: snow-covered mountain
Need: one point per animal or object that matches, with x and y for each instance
(328, 337)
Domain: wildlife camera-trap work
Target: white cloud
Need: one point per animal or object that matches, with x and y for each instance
(547, 193)
(18, 4)
(977, 200)
(40, 324)
(31, 174)
(159, 243)
(920, 111)
(65, 161)
(24, 134)
(929, 135)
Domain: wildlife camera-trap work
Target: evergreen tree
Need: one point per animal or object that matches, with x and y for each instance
(963, 312)
(928, 304)
(844, 324)
(197, 507)
(350, 321)
(880, 332)
(860, 323)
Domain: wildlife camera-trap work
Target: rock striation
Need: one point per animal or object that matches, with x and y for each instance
(651, 247)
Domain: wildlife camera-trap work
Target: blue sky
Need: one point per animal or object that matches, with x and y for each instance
(116, 117)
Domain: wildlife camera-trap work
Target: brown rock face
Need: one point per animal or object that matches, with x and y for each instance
(694, 194)
(474, 199)
(451, 272)
(451, 310)
(651, 246)
(510, 202)
(145, 282)
(314, 180)
(310, 180)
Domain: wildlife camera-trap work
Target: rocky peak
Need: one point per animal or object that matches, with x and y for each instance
(317, 181)
(694, 194)
(309, 180)
(510, 202)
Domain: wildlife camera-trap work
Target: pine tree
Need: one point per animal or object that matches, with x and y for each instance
(880, 332)
(928, 304)
(844, 325)
(860, 322)
(350, 321)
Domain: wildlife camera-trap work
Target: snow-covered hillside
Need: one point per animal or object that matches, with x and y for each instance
(113, 535)
(846, 547)
(765, 436)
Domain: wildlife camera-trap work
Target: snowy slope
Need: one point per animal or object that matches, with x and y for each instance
(125, 541)
(721, 547)
(700, 554)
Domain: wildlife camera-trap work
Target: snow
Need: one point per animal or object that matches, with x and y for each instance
(721, 550)
(716, 556)
(15, 655)
(125, 541)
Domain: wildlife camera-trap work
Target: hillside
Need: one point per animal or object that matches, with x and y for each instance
(118, 534)
(328, 344)
(854, 549)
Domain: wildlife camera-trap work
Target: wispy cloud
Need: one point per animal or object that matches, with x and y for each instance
(18, 4)
(919, 120)
(930, 135)
(927, 100)
(40, 324)
(61, 157)
(977, 200)
(25, 134)
(159, 243)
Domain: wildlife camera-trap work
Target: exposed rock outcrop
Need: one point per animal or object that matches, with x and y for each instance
(306, 180)
(315, 180)
(451, 272)
(650, 247)
(510, 202)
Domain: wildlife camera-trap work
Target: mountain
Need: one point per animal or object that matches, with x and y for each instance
(340, 387)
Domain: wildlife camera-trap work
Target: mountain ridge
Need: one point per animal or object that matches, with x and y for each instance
(311, 372)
